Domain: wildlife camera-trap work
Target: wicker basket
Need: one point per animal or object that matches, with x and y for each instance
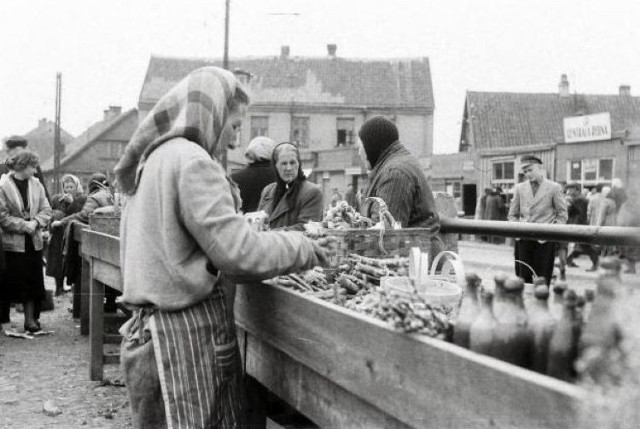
(366, 242)
(108, 223)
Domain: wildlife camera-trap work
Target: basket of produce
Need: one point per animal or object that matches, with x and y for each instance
(358, 234)
(105, 221)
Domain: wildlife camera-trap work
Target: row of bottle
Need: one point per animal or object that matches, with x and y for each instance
(496, 322)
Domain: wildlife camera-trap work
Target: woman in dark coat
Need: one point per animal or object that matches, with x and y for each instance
(24, 212)
(258, 174)
(292, 200)
(70, 201)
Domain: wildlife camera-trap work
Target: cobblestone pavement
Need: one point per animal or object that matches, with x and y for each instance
(56, 368)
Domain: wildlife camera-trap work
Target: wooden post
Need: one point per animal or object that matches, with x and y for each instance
(85, 273)
(96, 329)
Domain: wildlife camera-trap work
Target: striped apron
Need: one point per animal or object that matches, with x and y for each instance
(198, 365)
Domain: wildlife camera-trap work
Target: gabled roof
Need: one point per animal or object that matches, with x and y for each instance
(92, 134)
(40, 139)
(395, 83)
(504, 119)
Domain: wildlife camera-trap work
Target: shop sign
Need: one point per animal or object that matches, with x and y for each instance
(468, 165)
(587, 128)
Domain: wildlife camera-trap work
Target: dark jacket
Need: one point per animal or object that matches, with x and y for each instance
(95, 200)
(252, 181)
(398, 179)
(286, 216)
(577, 210)
(495, 208)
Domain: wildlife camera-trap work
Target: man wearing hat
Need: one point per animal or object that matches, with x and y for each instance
(536, 200)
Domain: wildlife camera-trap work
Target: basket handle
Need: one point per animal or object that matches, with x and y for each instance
(456, 263)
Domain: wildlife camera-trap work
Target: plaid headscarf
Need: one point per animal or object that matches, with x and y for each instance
(195, 109)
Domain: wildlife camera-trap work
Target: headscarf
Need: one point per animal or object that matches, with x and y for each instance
(195, 109)
(260, 149)
(74, 179)
(377, 134)
(281, 186)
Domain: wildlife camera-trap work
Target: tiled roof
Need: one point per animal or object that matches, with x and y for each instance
(503, 119)
(40, 139)
(93, 133)
(399, 83)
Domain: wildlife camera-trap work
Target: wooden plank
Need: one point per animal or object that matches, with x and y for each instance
(415, 379)
(317, 397)
(101, 246)
(110, 359)
(96, 330)
(107, 273)
(112, 339)
(77, 290)
(85, 288)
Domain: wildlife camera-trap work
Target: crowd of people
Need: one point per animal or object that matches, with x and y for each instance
(32, 225)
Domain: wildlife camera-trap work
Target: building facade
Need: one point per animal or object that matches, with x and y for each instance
(588, 139)
(319, 104)
(98, 149)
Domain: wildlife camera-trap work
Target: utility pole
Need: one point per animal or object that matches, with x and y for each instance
(225, 65)
(57, 146)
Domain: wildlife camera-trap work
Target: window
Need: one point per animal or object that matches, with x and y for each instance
(116, 149)
(590, 171)
(345, 134)
(503, 170)
(259, 126)
(300, 131)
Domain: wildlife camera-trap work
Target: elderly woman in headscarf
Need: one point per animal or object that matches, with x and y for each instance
(292, 200)
(70, 201)
(182, 243)
(258, 174)
(24, 212)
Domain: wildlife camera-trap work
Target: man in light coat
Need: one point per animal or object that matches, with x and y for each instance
(536, 200)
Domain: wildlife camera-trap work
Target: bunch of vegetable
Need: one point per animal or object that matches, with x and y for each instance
(344, 216)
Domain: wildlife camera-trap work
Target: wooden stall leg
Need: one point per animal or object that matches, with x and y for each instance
(84, 296)
(77, 291)
(96, 331)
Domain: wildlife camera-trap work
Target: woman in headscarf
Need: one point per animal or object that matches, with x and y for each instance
(182, 241)
(100, 195)
(258, 174)
(24, 212)
(70, 201)
(292, 200)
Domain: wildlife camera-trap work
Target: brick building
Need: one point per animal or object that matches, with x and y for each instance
(319, 103)
(98, 149)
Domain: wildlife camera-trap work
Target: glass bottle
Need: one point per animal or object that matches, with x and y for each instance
(513, 340)
(563, 347)
(482, 329)
(498, 300)
(600, 348)
(542, 324)
(469, 310)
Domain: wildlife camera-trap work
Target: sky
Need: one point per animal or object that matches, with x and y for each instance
(102, 48)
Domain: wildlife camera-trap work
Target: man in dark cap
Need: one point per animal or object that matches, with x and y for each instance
(396, 176)
(536, 200)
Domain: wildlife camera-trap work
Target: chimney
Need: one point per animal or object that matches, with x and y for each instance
(284, 52)
(331, 50)
(563, 86)
(42, 122)
(112, 112)
(625, 90)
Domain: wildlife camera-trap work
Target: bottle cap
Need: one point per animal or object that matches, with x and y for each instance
(473, 279)
(541, 291)
(570, 298)
(514, 284)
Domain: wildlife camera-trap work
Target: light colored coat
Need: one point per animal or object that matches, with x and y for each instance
(184, 215)
(14, 218)
(547, 206)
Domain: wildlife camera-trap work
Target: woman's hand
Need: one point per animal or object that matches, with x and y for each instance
(56, 224)
(328, 244)
(32, 226)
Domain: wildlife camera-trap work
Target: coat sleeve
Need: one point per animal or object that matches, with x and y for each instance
(207, 209)
(44, 214)
(560, 205)
(514, 207)
(396, 189)
(90, 204)
(310, 210)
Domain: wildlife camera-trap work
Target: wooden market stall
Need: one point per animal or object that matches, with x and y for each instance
(342, 369)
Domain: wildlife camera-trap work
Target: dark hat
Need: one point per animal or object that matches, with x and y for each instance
(15, 141)
(377, 134)
(98, 181)
(529, 159)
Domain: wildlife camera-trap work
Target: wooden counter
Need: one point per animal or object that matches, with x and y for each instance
(342, 369)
